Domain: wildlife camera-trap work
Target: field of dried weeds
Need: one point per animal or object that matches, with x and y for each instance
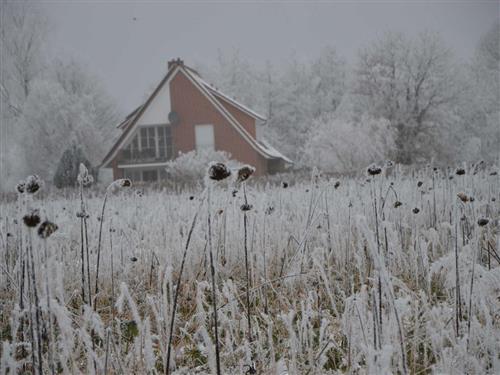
(379, 274)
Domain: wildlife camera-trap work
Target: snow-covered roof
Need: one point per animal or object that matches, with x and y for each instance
(233, 101)
(272, 151)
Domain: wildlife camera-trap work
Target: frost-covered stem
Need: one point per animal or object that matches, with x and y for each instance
(378, 251)
(112, 299)
(82, 248)
(214, 294)
(37, 304)
(470, 296)
(107, 352)
(30, 305)
(176, 293)
(247, 269)
(99, 248)
(457, 286)
(49, 311)
(88, 260)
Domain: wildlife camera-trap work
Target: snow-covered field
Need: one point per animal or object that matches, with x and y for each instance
(343, 275)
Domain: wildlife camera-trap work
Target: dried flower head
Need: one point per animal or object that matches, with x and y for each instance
(416, 210)
(32, 219)
(245, 172)
(374, 170)
(482, 221)
(33, 184)
(46, 229)
(218, 171)
(460, 171)
(397, 204)
(125, 182)
(84, 178)
(463, 197)
(246, 207)
(82, 215)
(118, 184)
(20, 187)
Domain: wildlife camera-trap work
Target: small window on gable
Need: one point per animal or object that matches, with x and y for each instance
(204, 137)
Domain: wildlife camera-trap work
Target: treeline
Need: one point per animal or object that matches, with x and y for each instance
(405, 99)
(50, 107)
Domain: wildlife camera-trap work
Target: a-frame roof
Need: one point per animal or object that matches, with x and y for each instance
(130, 122)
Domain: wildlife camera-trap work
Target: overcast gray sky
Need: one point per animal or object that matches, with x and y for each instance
(130, 55)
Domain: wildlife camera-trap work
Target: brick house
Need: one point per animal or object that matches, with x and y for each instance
(185, 113)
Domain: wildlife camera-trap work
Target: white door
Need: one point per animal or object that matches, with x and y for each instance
(204, 137)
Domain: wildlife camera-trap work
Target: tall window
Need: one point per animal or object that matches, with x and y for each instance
(150, 143)
(204, 137)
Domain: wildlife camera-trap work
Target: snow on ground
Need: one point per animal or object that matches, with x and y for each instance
(332, 286)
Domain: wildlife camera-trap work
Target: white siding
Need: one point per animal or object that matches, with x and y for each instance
(159, 108)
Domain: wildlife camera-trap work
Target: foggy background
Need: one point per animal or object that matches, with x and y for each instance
(342, 84)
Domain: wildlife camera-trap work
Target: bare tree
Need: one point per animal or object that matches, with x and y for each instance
(410, 83)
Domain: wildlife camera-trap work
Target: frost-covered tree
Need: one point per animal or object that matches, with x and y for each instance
(23, 32)
(341, 144)
(69, 166)
(412, 83)
(485, 93)
(66, 107)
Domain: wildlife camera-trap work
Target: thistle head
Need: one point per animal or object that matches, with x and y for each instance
(245, 172)
(374, 170)
(482, 221)
(218, 171)
(32, 219)
(33, 184)
(84, 178)
(46, 229)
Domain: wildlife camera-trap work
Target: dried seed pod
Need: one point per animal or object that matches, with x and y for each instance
(374, 170)
(482, 221)
(416, 210)
(21, 187)
(245, 172)
(125, 182)
(46, 229)
(82, 215)
(218, 171)
(133, 259)
(463, 197)
(269, 210)
(32, 219)
(246, 207)
(33, 184)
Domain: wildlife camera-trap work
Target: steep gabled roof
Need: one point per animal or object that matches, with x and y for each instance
(129, 123)
(228, 99)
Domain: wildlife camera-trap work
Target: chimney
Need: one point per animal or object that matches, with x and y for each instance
(174, 62)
